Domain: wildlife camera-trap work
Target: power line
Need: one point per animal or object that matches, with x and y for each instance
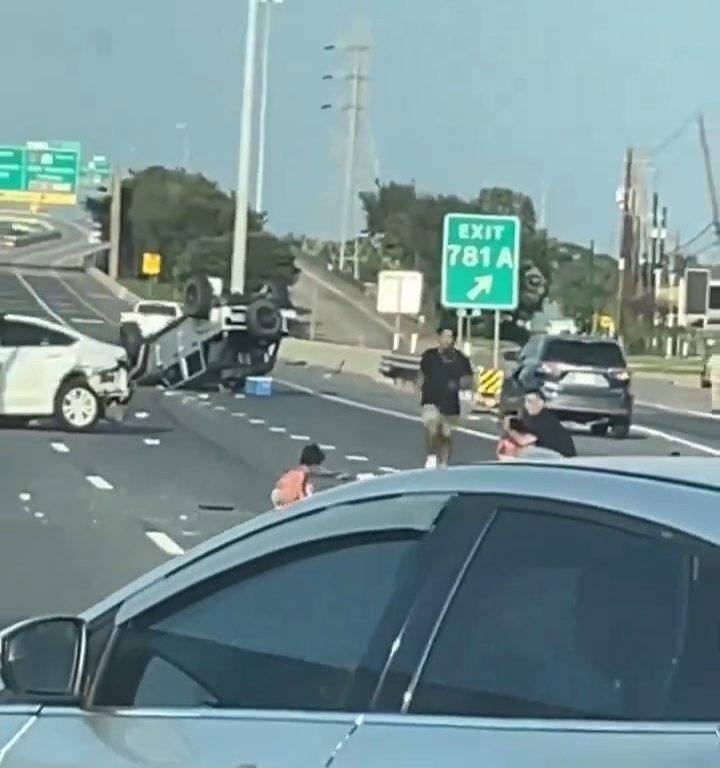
(673, 137)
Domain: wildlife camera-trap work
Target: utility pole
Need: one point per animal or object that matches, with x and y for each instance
(356, 79)
(712, 190)
(625, 249)
(115, 224)
(240, 231)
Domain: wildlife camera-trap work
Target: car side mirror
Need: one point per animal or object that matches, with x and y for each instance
(44, 657)
(511, 356)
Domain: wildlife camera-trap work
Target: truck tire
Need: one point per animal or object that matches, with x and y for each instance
(263, 319)
(198, 297)
(131, 340)
(77, 407)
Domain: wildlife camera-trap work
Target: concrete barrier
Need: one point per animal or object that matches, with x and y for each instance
(111, 285)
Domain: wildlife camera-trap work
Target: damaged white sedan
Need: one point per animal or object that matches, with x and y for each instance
(50, 370)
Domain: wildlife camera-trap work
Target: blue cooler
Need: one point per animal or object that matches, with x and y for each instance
(258, 385)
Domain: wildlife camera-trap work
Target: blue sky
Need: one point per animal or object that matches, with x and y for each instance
(463, 94)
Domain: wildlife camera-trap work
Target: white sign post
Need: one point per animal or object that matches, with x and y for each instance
(400, 293)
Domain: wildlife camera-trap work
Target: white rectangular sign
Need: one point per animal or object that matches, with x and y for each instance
(399, 292)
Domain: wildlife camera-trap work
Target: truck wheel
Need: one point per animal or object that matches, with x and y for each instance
(77, 407)
(264, 319)
(198, 297)
(131, 340)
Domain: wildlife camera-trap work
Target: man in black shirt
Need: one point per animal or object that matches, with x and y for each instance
(549, 431)
(444, 371)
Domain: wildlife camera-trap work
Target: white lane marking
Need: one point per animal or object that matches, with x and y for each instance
(85, 302)
(60, 447)
(239, 414)
(681, 411)
(171, 393)
(388, 469)
(376, 409)
(204, 404)
(299, 437)
(278, 430)
(141, 415)
(675, 439)
(239, 396)
(326, 447)
(163, 542)
(39, 299)
(474, 432)
(151, 441)
(355, 457)
(256, 421)
(219, 408)
(365, 475)
(203, 396)
(24, 496)
(38, 515)
(99, 482)
(87, 321)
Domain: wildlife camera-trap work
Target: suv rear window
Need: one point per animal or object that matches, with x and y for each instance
(601, 354)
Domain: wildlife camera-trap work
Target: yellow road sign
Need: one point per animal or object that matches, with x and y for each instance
(151, 264)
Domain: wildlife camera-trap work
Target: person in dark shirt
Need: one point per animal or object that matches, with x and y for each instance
(545, 425)
(444, 372)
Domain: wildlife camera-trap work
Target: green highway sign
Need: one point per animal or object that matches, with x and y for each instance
(12, 168)
(480, 261)
(97, 172)
(40, 173)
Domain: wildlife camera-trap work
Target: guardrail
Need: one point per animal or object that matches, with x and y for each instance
(400, 366)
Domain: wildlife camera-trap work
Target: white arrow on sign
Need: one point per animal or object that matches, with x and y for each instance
(482, 285)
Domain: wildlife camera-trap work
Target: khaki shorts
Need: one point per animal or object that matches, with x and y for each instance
(436, 422)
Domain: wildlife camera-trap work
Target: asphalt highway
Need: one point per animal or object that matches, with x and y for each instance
(83, 514)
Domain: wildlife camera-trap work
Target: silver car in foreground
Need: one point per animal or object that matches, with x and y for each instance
(540, 614)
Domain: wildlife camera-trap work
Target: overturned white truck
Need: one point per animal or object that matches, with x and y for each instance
(217, 340)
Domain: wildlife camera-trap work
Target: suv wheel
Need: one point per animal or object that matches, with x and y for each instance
(620, 430)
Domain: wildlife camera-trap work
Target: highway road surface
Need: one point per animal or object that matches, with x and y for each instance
(83, 514)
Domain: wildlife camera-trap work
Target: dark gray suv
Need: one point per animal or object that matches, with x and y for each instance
(584, 379)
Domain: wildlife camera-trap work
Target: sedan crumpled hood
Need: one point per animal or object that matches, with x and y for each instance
(100, 355)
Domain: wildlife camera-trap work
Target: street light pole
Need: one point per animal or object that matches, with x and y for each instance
(183, 128)
(240, 231)
(264, 86)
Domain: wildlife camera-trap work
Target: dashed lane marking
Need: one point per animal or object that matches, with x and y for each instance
(355, 457)
(24, 496)
(99, 482)
(278, 430)
(163, 542)
(256, 421)
(142, 415)
(239, 414)
(299, 437)
(219, 408)
(151, 441)
(675, 439)
(326, 447)
(389, 470)
(59, 447)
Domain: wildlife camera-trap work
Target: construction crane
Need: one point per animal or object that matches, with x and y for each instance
(712, 190)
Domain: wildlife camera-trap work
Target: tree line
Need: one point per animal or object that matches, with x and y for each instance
(188, 219)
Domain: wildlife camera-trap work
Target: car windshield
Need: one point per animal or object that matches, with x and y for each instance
(157, 309)
(596, 354)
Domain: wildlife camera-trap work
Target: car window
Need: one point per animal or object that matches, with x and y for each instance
(19, 334)
(156, 309)
(601, 354)
(287, 632)
(562, 617)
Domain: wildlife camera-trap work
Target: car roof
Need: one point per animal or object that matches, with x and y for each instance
(43, 322)
(675, 492)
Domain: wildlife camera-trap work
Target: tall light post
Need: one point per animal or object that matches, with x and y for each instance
(264, 86)
(240, 231)
(183, 129)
